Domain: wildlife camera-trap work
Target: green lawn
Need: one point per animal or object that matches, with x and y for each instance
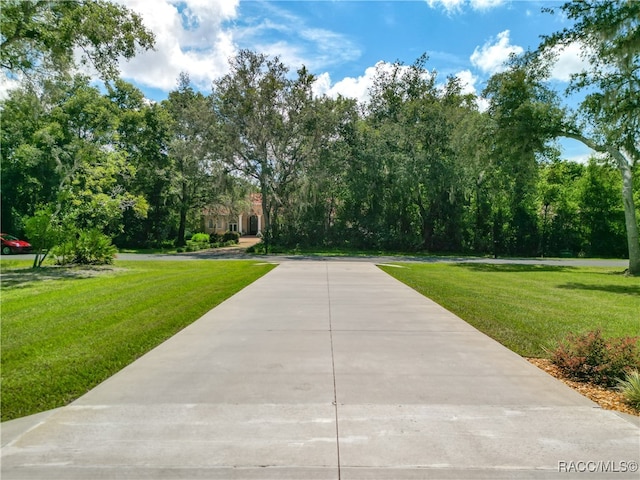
(66, 330)
(529, 308)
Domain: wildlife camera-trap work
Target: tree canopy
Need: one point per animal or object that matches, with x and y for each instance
(42, 35)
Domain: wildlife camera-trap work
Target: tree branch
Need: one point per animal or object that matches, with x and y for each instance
(586, 141)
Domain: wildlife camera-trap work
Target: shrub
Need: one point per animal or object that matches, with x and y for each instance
(200, 238)
(231, 236)
(64, 252)
(193, 246)
(590, 357)
(88, 247)
(94, 248)
(198, 241)
(630, 388)
(215, 238)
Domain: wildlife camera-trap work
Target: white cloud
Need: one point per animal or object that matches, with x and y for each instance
(467, 81)
(490, 57)
(352, 87)
(322, 84)
(329, 48)
(448, 5)
(292, 56)
(359, 87)
(281, 33)
(200, 36)
(189, 37)
(455, 6)
(485, 4)
(568, 61)
(349, 87)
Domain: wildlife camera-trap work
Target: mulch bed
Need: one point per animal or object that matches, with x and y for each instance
(607, 398)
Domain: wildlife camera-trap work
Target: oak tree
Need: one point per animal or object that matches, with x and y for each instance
(608, 119)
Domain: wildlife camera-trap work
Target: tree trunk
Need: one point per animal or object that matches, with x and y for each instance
(182, 228)
(631, 222)
(266, 228)
(184, 206)
(629, 213)
(426, 230)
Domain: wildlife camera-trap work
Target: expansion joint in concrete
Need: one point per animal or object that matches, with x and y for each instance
(333, 369)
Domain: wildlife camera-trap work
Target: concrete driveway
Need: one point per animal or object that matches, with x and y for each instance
(326, 370)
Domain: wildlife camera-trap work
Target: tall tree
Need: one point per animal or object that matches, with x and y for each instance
(562, 231)
(471, 142)
(266, 128)
(524, 115)
(89, 165)
(410, 121)
(28, 151)
(40, 36)
(608, 121)
(144, 133)
(195, 171)
(316, 206)
(601, 214)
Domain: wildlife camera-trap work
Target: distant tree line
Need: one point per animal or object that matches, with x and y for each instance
(417, 167)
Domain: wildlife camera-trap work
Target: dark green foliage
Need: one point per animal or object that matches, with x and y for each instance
(61, 158)
(143, 133)
(231, 237)
(559, 196)
(257, 248)
(601, 213)
(591, 357)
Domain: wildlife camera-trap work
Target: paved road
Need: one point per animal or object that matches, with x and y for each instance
(239, 254)
(325, 370)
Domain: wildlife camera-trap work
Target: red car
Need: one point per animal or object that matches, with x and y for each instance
(11, 244)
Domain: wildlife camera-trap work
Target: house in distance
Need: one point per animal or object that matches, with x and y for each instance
(220, 219)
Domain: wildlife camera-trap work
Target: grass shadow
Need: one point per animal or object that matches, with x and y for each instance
(514, 267)
(633, 290)
(21, 277)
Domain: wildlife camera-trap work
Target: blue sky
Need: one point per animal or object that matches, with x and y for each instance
(341, 41)
(372, 31)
